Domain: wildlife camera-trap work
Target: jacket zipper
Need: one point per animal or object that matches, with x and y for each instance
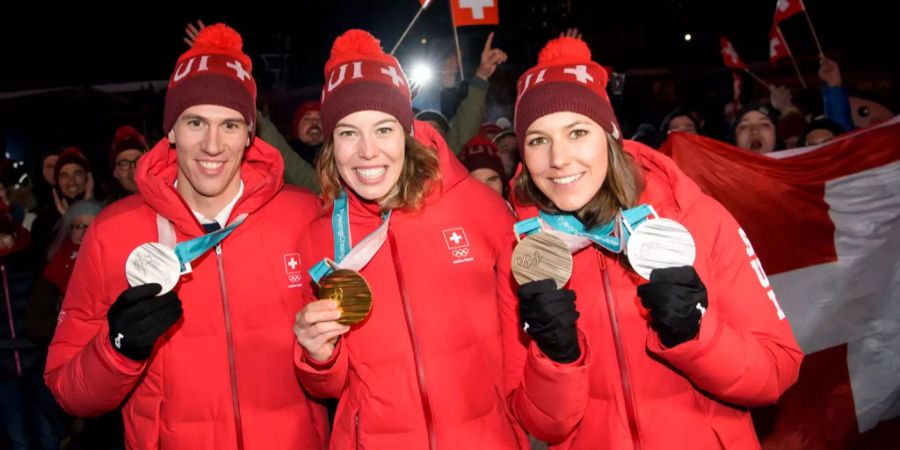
(620, 356)
(420, 369)
(232, 368)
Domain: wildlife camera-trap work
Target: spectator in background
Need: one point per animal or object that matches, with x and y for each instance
(127, 147)
(466, 118)
(508, 149)
(74, 182)
(681, 119)
(820, 131)
(755, 129)
(307, 131)
(482, 160)
(790, 121)
(45, 182)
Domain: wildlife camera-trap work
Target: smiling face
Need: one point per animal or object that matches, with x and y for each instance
(369, 151)
(309, 128)
(210, 142)
(567, 157)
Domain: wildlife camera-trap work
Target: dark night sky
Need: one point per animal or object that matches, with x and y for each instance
(75, 46)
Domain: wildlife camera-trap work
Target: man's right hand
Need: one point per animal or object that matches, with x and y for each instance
(138, 318)
(317, 330)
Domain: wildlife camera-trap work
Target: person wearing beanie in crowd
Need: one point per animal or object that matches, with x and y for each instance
(508, 148)
(74, 182)
(755, 129)
(680, 347)
(820, 131)
(195, 345)
(481, 158)
(74, 179)
(127, 147)
(437, 362)
(306, 132)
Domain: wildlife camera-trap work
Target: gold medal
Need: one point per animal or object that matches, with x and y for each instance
(351, 292)
(542, 256)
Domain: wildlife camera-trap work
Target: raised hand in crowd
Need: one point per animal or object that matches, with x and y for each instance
(490, 59)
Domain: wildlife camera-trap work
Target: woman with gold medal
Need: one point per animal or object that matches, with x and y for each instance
(683, 330)
(413, 324)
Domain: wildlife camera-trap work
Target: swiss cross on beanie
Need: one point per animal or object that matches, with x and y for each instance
(215, 71)
(564, 79)
(359, 76)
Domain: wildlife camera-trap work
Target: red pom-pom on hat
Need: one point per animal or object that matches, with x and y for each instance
(219, 36)
(564, 50)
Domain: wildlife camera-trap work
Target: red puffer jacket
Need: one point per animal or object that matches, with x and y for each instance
(439, 362)
(692, 396)
(222, 377)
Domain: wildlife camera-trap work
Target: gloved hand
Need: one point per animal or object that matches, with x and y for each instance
(138, 318)
(676, 299)
(549, 317)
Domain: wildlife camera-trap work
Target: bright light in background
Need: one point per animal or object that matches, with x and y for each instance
(421, 74)
(687, 37)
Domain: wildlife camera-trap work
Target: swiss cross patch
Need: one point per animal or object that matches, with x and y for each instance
(458, 244)
(291, 263)
(456, 238)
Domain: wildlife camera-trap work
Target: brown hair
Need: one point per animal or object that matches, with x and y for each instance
(420, 173)
(620, 190)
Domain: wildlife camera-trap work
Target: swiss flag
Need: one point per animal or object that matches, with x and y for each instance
(475, 12)
(729, 55)
(777, 47)
(787, 8)
(825, 221)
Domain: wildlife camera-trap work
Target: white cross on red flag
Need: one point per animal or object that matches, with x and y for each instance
(474, 12)
(787, 8)
(825, 222)
(729, 54)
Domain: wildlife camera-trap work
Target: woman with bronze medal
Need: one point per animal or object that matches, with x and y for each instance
(413, 319)
(683, 331)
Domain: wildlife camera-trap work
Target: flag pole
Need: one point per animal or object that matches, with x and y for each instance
(791, 54)
(813, 30)
(757, 78)
(409, 27)
(462, 75)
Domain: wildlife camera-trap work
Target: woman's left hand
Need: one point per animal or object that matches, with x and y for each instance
(676, 299)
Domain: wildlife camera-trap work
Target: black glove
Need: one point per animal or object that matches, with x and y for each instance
(138, 318)
(676, 299)
(549, 315)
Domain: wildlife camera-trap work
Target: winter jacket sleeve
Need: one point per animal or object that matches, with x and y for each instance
(837, 106)
(86, 375)
(467, 121)
(548, 399)
(296, 170)
(745, 352)
(322, 379)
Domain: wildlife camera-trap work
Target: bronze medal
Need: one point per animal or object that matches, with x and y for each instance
(351, 292)
(542, 256)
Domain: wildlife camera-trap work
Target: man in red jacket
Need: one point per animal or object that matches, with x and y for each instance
(207, 364)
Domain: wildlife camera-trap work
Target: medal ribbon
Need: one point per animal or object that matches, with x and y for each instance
(345, 257)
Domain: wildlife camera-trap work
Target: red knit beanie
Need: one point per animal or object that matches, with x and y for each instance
(359, 76)
(564, 79)
(481, 153)
(305, 107)
(215, 71)
(71, 155)
(127, 138)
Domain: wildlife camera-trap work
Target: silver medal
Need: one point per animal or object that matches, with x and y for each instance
(153, 263)
(660, 244)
